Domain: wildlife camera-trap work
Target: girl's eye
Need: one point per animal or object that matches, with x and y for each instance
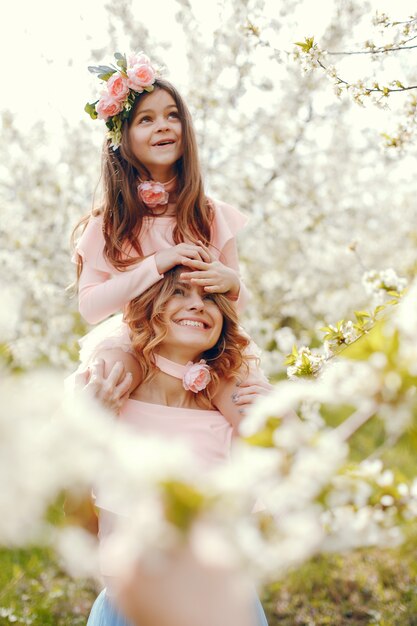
(144, 119)
(174, 114)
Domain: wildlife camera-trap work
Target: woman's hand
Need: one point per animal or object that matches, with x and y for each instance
(247, 393)
(179, 255)
(111, 390)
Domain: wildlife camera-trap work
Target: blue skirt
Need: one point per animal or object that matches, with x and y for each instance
(103, 613)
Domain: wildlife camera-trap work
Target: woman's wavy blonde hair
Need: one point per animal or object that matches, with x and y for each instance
(146, 320)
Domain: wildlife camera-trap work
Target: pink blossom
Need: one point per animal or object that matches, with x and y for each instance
(152, 193)
(107, 107)
(140, 76)
(197, 376)
(138, 59)
(117, 87)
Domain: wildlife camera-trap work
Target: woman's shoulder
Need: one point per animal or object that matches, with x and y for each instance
(227, 221)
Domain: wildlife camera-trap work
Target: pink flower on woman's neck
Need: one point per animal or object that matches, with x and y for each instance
(197, 376)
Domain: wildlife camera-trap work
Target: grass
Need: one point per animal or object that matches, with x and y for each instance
(372, 587)
(35, 590)
(367, 587)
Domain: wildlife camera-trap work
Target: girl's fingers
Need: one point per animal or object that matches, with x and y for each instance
(194, 264)
(207, 251)
(214, 289)
(202, 282)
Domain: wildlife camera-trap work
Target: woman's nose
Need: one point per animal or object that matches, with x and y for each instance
(196, 302)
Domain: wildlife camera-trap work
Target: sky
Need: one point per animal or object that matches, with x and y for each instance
(47, 46)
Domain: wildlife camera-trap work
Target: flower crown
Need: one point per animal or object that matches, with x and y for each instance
(133, 76)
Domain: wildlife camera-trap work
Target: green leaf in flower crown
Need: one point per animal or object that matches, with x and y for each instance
(101, 69)
(121, 60)
(90, 108)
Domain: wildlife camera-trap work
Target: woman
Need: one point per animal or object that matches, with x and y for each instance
(184, 343)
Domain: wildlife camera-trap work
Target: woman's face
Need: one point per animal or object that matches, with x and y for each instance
(155, 134)
(194, 323)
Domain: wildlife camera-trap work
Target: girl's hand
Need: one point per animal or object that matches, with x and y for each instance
(180, 255)
(215, 277)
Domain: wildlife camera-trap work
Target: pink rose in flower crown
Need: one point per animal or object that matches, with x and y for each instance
(107, 107)
(117, 87)
(153, 193)
(140, 76)
(197, 376)
(138, 59)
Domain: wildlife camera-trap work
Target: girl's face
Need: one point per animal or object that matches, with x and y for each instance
(155, 134)
(194, 323)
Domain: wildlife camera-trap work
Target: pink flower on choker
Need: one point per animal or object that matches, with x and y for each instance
(196, 376)
(152, 193)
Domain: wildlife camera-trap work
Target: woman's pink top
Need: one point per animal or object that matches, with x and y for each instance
(103, 290)
(206, 433)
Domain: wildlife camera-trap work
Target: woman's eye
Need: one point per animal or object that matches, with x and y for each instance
(179, 292)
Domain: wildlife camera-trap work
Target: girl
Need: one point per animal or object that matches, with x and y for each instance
(154, 213)
(173, 324)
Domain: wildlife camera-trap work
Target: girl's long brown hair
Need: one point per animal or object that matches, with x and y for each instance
(123, 211)
(145, 317)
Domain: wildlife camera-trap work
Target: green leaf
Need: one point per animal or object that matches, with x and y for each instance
(101, 69)
(306, 45)
(90, 108)
(121, 60)
(106, 76)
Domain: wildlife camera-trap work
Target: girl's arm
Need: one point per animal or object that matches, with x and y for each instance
(102, 294)
(103, 290)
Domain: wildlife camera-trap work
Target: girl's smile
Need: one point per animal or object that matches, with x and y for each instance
(156, 134)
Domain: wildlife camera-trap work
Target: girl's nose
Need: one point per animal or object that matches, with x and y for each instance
(161, 123)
